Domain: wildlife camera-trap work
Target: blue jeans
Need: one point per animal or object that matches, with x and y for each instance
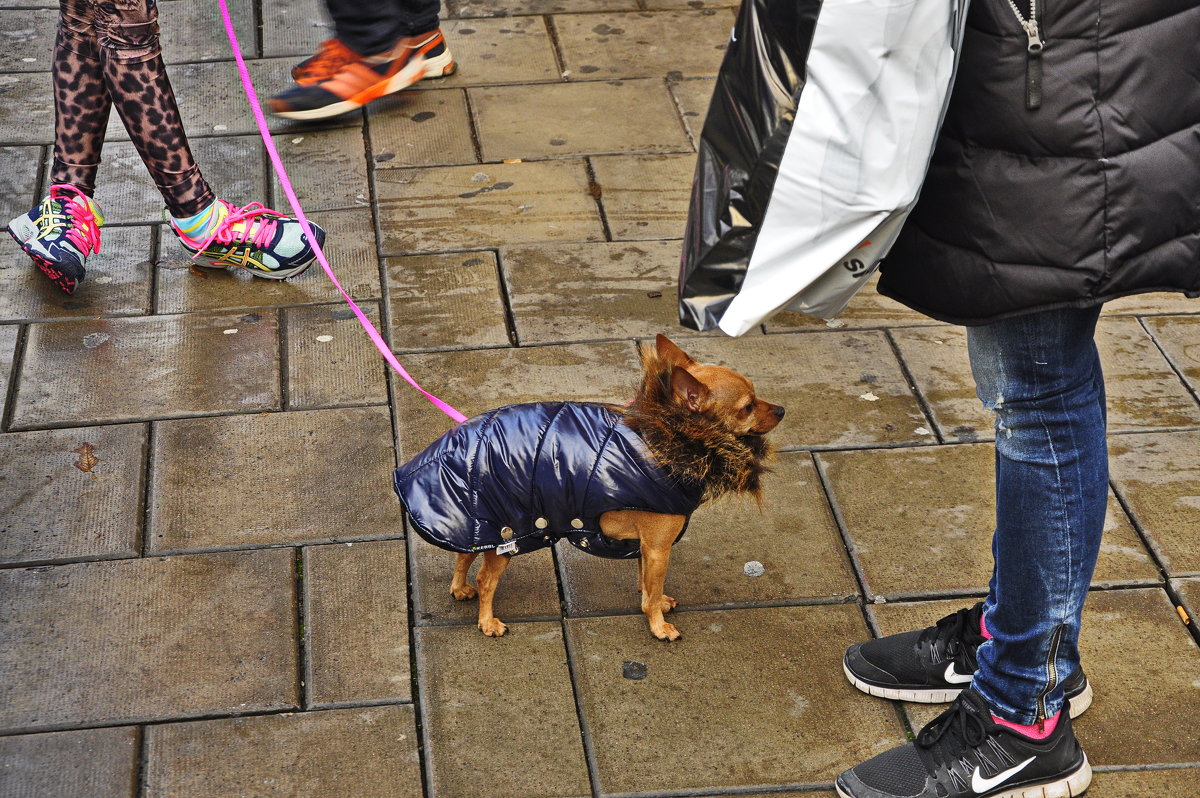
(1040, 374)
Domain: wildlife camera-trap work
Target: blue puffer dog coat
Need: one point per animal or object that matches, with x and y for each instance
(521, 477)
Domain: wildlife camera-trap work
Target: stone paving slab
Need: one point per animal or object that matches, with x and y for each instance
(349, 248)
(1142, 783)
(192, 30)
(54, 509)
(657, 733)
(581, 292)
(95, 762)
(513, 8)
(431, 296)
(18, 178)
(528, 591)
(506, 50)
(328, 169)
(253, 480)
(421, 128)
(146, 639)
(559, 120)
(645, 196)
(356, 618)
(1144, 393)
(1189, 592)
(330, 359)
(477, 380)
(500, 713)
(294, 27)
(9, 334)
(839, 388)
(28, 39)
(118, 281)
(80, 372)
(937, 359)
(371, 752)
(1158, 476)
(793, 535)
(868, 308)
(469, 207)
(936, 507)
(26, 117)
(636, 44)
(1179, 336)
(693, 97)
(1151, 304)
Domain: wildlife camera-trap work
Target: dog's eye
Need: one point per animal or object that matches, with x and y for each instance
(749, 408)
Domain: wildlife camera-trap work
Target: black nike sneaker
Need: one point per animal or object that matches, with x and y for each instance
(963, 753)
(933, 665)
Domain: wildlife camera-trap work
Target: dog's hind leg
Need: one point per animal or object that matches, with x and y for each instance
(460, 588)
(487, 579)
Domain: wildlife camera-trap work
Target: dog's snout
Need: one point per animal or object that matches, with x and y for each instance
(779, 412)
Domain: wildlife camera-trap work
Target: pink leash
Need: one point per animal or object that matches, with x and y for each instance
(376, 338)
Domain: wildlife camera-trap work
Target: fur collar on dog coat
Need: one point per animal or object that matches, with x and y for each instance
(521, 477)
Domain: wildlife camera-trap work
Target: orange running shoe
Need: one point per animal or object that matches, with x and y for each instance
(327, 61)
(356, 83)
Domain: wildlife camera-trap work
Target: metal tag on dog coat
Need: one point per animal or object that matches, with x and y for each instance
(507, 548)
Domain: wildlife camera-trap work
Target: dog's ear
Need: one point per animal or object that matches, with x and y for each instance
(669, 352)
(689, 390)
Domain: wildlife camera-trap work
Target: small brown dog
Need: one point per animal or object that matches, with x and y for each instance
(618, 482)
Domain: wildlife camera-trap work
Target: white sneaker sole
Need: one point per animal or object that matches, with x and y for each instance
(1068, 786)
(415, 70)
(944, 696)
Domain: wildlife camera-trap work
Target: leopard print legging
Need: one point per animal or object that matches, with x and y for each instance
(107, 52)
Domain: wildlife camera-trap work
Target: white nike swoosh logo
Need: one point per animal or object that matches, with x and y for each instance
(954, 677)
(981, 785)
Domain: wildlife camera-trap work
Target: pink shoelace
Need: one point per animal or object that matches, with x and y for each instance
(258, 227)
(84, 229)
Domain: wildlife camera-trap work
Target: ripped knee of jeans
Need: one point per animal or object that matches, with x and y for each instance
(999, 410)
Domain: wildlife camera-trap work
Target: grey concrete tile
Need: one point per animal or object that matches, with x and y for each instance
(644, 44)
(294, 27)
(500, 713)
(19, 190)
(355, 622)
(26, 117)
(95, 762)
(250, 461)
(591, 291)
(477, 380)
(645, 196)
(192, 30)
(1158, 476)
(28, 39)
(327, 168)
(937, 359)
(117, 282)
(868, 308)
(558, 120)
(1143, 666)
(9, 334)
(656, 733)
(507, 50)
(451, 301)
(460, 207)
(693, 96)
(1141, 783)
(1143, 392)
(72, 493)
(370, 752)
(421, 128)
(147, 639)
(1178, 337)
(940, 502)
(529, 589)
(235, 167)
(349, 248)
(330, 360)
(103, 370)
(793, 536)
(513, 8)
(839, 388)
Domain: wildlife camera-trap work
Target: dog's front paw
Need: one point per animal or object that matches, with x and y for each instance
(493, 627)
(666, 632)
(463, 593)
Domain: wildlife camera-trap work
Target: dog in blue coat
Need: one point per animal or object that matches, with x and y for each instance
(617, 482)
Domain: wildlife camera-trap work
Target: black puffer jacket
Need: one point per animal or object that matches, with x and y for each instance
(1091, 196)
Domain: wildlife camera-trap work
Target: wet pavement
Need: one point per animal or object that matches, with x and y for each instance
(205, 584)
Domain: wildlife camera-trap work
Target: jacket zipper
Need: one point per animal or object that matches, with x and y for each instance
(1052, 678)
(1033, 54)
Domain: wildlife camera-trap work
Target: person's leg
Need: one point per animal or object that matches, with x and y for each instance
(370, 28)
(1040, 374)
